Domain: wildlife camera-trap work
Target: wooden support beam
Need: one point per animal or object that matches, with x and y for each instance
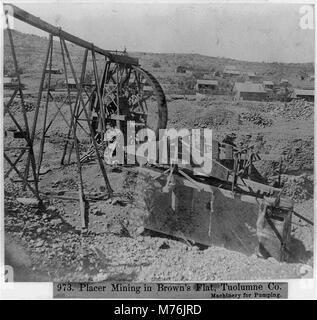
(210, 188)
(87, 115)
(34, 191)
(44, 131)
(15, 163)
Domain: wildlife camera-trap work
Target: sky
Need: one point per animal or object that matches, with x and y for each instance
(250, 32)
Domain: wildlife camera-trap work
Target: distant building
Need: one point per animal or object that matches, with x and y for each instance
(207, 76)
(228, 68)
(9, 80)
(180, 69)
(54, 71)
(251, 75)
(306, 94)
(249, 91)
(71, 83)
(231, 71)
(268, 84)
(11, 83)
(284, 82)
(206, 86)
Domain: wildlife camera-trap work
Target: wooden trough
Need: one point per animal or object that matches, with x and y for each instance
(251, 218)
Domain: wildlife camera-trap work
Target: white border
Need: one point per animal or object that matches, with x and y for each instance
(298, 288)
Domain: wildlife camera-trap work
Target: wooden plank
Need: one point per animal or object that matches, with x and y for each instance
(209, 188)
(16, 148)
(203, 217)
(211, 215)
(217, 171)
(250, 185)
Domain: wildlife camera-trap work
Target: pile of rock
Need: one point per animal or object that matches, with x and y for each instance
(256, 118)
(299, 188)
(295, 109)
(16, 106)
(214, 118)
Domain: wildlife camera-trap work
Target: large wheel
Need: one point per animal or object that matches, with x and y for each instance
(152, 99)
(132, 94)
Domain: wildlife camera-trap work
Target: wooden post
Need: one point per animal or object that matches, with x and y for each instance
(83, 206)
(101, 164)
(25, 133)
(40, 158)
(100, 99)
(38, 103)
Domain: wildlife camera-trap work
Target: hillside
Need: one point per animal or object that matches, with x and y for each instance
(31, 51)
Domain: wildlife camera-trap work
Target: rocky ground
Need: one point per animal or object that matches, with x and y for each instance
(46, 243)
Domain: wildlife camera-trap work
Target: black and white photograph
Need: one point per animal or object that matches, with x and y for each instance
(158, 142)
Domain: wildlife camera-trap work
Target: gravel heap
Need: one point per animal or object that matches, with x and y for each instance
(299, 188)
(256, 118)
(295, 109)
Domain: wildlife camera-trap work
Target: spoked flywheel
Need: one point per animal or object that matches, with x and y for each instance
(131, 93)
